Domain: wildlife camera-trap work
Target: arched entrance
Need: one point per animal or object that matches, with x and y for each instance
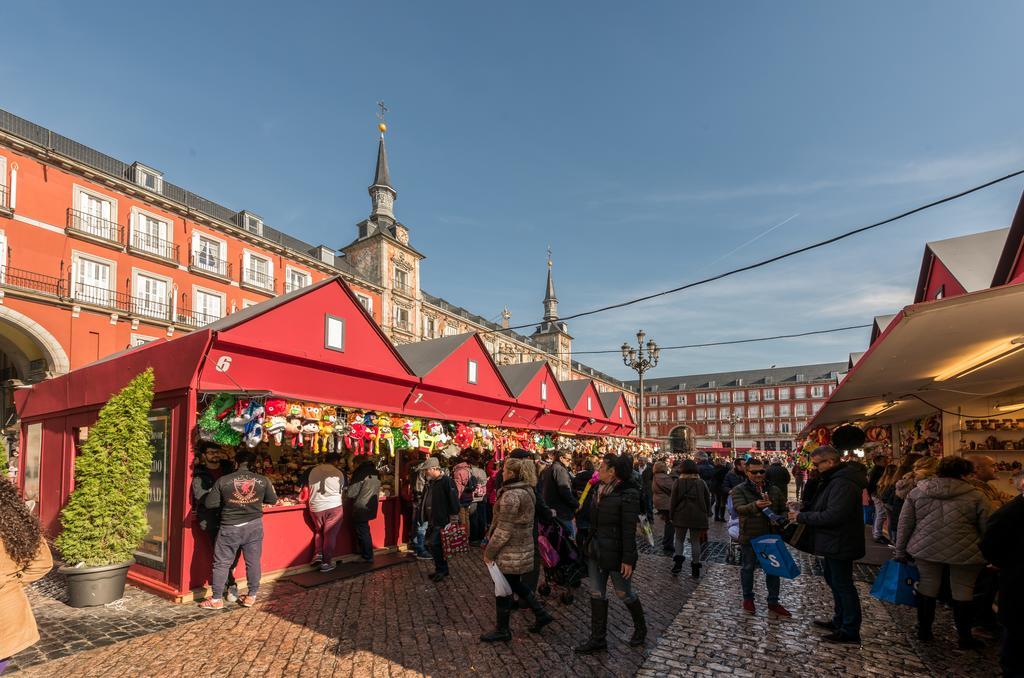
(681, 439)
(29, 354)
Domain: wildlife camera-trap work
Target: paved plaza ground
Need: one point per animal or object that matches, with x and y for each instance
(396, 622)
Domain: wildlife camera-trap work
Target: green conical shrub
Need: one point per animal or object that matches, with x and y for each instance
(105, 518)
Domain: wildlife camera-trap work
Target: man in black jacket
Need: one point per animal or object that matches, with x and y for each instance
(718, 489)
(837, 522)
(211, 467)
(439, 506)
(556, 489)
(241, 496)
(364, 491)
(1003, 545)
(646, 471)
(777, 475)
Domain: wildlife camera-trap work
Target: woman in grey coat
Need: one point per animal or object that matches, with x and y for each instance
(690, 509)
(940, 526)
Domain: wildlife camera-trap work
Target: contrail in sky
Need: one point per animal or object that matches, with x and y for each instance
(752, 240)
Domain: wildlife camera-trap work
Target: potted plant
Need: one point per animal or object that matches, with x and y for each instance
(105, 517)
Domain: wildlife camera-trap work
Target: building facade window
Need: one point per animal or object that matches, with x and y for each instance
(544, 393)
(401, 317)
(712, 428)
(800, 410)
(93, 279)
(800, 392)
(711, 397)
(738, 396)
(769, 410)
(815, 407)
(738, 411)
(726, 429)
(817, 391)
(663, 401)
(784, 393)
(401, 280)
(784, 410)
(755, 427)
(769, 394)
(653, 400)
(296, 279)
(209, 254)
(753, 411)
(151, 294)
(140, 339)
(471, 371)
(753, 396)
(366, 302)
(207, 306)
(701, 414)
(334, 333)
(96, 214)
(784, 427)
(450, 330)
(700, 398)
(429, 327)
(258, 271)
(723, 397)
(663, 415)
(723, 412)
(769, 427)
(680, 400)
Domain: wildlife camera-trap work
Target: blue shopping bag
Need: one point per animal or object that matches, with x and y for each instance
(895, 583)
(774, 556)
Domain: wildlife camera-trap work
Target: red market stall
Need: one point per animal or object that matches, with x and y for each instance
(617, 412)
(585, 400)
(540, 403)
(315, 345)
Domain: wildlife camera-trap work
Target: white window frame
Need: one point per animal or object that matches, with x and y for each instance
(769, 410)
(141, 171)
(712, 428)
(429, 326)
(77, 256)
(247, 258)
(77, 191)
(724, 397)
(799, 392)
(769, 427)
(769, 394)
(753, 411)
(471, 371)
(784, 393)
(196, 237)
(700, 414)
(784, 410)
(700, 398)
(818, 391)
(723, 412)
(450, 330)
(137, 301)
(663, 415)
(140, 339)
(739, 397)
(753, 396)
(590, 403)
(711, 397)
(365, 301)
(395, 311)
(663, 401)
(398, 270)
(136, 214)
(334, 333)
(815, 407)
(784, 427)
(196, 289)
(544, 393)
(289, 271)
(755, 427)
(800, 410)
(249, 220)
(680, 400)
(653, 401)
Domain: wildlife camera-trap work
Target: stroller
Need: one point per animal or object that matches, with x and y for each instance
(563, 562)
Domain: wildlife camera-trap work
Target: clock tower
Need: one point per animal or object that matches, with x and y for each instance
(553, 334)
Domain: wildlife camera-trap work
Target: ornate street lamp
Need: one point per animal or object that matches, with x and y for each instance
(734, 419)
(640, 362)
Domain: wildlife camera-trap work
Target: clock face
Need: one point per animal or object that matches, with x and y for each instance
(403, 236)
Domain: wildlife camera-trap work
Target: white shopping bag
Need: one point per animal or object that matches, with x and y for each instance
(645, 525)
(501, 587)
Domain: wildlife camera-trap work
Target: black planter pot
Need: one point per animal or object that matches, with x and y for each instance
(90, 586)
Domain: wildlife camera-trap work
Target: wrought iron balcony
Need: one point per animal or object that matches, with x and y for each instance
(403, 325)
(146, 243)
(192, 318)
(29, 280)
(403, 289)
(291, 286)
(95, 227)
(4, 200)
(204, 262)
(258, 279)
(101, 296)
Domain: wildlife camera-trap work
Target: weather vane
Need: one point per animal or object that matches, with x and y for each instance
(382, 125)
(549, 256)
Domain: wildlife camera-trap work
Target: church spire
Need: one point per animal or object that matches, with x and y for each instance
(550, 300)
(382, 193)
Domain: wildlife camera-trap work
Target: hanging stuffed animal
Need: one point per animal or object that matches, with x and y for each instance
(253, 432)
(240, 415)
(275, 410)
(341, 431)
(310, 435)
(463, 436)
(411, 431)
(216, 411)
(327, 420)
(429, 436)
(398, 439)
(293, 425)
(385, 438)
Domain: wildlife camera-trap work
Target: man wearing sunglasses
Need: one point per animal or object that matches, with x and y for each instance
(750, 499)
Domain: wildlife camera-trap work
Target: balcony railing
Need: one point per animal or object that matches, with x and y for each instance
(101, 296)
(402, 325)
(204, 262)
(150, 244)
(403, 289)
(194, 318)
(4, 201)
(91, 225)
(291, 286)
(257, 279)
(36, 282)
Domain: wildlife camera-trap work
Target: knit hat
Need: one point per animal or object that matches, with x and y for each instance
(430, 462)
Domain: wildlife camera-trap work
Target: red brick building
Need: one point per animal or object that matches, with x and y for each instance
(749, 408)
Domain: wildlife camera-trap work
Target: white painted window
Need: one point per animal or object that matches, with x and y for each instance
(5, 200)
(450, 330)
(739, 427)
(209, 254)
(726, 428)
(207, 306)
(738, 396)
(700, 398)
(152, 234)
(149, 178)
(712, 428)
(800, 410)
(723, 412)
(663, 415)
(815, 407)
(711, 398)
(92, 280)
(334, 333)
(401, 317)
(784, 393)
(3, 256)
(253, 224)
(753, 411)
(544, 392)
(769, 427)
(701, 413)
(800, 392)
(738, 411)
(401, 279)
(680, 400)
(755, 427)
(258, 271)
(429, 327)
(769, 410)
(784, 410)
(590, 404)
(753, 396)
(663, 401)
(817, 391)
(471, 372)
(769, 394)
(296, 279)
(151, 296)
(723, 397)
(367, 302)
(784, 427)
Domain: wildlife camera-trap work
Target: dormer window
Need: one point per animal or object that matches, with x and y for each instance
(250, 222)
(544, 390)
(471, 376)
(147, 177)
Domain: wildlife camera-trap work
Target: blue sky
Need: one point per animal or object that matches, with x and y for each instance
(644, 142)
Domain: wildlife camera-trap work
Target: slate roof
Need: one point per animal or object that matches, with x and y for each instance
(972, 259)
(777, 375)
(424, 356)
(382, 177)
(573, 390)
(609, 400)
(518, 377)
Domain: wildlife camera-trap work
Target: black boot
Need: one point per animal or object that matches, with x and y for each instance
(677, 564)
(963, 614)
(925, 617)
(541, 616)
(695, 570)
(598, 627)
(636, 610)
(501, 631)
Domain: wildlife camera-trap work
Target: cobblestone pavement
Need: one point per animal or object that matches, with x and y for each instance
(712, 636)
(390, 623)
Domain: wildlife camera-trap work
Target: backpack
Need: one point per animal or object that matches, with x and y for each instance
(480, 491)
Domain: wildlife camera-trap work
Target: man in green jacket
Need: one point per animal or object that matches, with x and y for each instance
(750, 498)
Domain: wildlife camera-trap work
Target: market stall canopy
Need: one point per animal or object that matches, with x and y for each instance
(955, 352)
(316, 343)
(617, 412)
(959, 265)
(458, 381)
(174, 365)
(585, 401)
(539, 397)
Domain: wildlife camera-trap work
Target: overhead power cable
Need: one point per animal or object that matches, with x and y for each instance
(714, 343)
(771, 260)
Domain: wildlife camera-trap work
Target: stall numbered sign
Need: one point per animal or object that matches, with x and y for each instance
(223, 363)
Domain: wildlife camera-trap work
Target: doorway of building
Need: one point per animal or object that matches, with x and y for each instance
(681, 439)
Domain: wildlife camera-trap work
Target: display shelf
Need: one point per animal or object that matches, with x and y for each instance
(980, 449)
(987, 430)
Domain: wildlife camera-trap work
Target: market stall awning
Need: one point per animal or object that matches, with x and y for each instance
(585, 400)
(541, 404)
(945, 354)
(617, 412)
(458, 381)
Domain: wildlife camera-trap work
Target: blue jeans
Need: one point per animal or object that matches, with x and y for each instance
(599, 582)
(569, 526)
(419, 539)
(839, 577)
(749, 563)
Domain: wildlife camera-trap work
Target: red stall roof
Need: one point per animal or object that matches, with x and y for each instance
(458, 380)
(617, 411)
(585, 400)
(541, 403)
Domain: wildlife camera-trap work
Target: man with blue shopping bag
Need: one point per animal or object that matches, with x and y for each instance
(837, 522)
(753, 501)
(895, 583)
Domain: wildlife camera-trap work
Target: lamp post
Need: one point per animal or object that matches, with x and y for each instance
(636, 360)
(733, 420)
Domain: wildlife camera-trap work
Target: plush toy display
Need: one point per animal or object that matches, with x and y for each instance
(385, 437)
(464, 436)
(253, 432)
(310, 433)
(293, 424)
(274, 411)
(328, 419)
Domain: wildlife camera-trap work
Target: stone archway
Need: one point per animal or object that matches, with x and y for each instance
(681, 439)
(28, 353)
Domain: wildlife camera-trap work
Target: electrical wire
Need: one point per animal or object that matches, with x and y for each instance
(713, 343)
(780, 257)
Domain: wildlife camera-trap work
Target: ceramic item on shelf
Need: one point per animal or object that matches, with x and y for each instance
(1008, 445)
(992, 443)
(973, 424)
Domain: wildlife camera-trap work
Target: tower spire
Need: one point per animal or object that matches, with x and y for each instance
(550, 300)
(382, 193)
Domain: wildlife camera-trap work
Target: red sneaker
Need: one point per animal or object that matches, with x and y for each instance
(778, 612)
(748, 607)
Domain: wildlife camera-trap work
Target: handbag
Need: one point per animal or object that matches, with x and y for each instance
(645, 526)
(454, 539)
(548, 554)
(774, 557)
(501, 587)
(895, 583)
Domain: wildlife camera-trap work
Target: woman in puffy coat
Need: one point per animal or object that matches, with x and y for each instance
(690, 506)
(940, 527)
(662, 489)
(511, 544)
(24, 558)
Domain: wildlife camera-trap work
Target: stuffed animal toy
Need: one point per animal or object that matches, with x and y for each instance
(214, 415)
(398, 439)
(356, 440)
(385, 437)
(464, 436)
(429, 435)
(293, 424)
(310, 432)
(328, 418)
(274, 419)
(341, 431)
(253, 432)
(372, 434)
(240, 415)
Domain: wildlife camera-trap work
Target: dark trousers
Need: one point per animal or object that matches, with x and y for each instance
(839, 577)
(515, 582)
(669, 535)
(720, 499)
(478, 521)
(211, 527)
(364, 544)
(1011, 654)
(531, 578)
(436, 549)
(749, 563)
(249, 539)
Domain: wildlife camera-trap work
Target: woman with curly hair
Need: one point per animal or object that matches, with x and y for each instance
(24, 558)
